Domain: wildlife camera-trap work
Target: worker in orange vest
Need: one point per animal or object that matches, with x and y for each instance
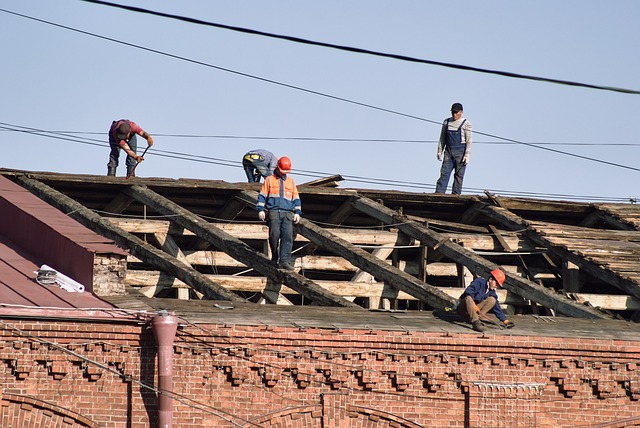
(279, 204)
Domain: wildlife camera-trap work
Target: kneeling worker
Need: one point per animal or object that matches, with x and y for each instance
(480, 297)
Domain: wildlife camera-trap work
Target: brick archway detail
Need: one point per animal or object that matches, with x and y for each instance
(29, 412)
(296, 417)
(312, 416)
(621, 423)
(385, 418)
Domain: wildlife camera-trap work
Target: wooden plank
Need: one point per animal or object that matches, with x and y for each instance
(230, 210)
(538, 236)
(219, 259)
(476, 241)
(235, 248)
(340, 214)
(367, 262)
(451, 226)
(118, 204)
(621, 216)
(169, 246)
(476, 264)
(256, 284)
(138, 247)
(330, 181)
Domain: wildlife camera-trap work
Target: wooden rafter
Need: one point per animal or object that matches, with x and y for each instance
(234, 247)
(476, 264)
(137, 246)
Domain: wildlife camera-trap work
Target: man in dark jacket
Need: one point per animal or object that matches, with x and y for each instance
(480, 297)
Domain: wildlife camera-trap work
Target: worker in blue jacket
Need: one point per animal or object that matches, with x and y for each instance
(480, 297)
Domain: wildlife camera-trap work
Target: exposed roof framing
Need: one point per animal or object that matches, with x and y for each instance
(619, 217)
(358, 247)
(234, 247)
(475, 263)
(138, 247)
(368, 262)
(610, 255)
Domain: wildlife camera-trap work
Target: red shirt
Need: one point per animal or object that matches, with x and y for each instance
(135, 129)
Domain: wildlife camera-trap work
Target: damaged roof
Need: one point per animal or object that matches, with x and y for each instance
(357, 248)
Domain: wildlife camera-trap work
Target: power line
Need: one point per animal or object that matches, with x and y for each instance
(353, 140)
(334, 97)
(305, 173)
(365, 51)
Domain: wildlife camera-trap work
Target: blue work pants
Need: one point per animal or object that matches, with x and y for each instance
(114, 155)
(452, 161)
(280, 235)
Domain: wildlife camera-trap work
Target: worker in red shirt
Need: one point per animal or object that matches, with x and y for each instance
(122, 135)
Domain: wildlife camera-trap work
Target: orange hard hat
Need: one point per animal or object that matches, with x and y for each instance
(284, 165)
(499, 276)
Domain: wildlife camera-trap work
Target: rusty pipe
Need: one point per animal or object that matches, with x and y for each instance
(164, 326)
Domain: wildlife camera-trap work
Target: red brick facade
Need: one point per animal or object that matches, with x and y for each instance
(75, 374)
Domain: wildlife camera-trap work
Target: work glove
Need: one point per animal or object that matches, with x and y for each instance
(508, 324)
(465, 159)
(439, 156)
(296, 218)
(262, 215)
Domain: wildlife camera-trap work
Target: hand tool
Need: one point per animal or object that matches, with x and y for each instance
(136, 165)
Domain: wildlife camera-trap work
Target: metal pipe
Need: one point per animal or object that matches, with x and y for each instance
(164, 326)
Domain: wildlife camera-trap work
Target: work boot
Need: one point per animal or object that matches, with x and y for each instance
(111, 171)
(288, 266)
(478, 326)
(131, 171)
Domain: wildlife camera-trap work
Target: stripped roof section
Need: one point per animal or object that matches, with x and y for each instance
(440, 239)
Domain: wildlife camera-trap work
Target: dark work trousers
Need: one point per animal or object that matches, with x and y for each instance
(255, 168)
(452, 161)
(466, 308)
(280, 235)
(114, 155)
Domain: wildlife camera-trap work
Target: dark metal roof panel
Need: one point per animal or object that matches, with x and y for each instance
(25, 202)
(18, 288)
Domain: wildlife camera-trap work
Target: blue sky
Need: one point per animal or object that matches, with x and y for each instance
(55, 79)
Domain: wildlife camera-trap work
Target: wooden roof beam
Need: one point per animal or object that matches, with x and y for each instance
(235, 248)
(330, 181)
(136, 246)
(141, 279)
(367, 262)
(476, 264)
(599, 215)
(516, 222)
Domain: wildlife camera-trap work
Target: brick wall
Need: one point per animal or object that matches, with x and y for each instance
(109, 272)
(227, 376)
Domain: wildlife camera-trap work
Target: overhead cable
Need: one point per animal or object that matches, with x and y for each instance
(305, 173)
(365, 51)
(355, 140)
(299, 88)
